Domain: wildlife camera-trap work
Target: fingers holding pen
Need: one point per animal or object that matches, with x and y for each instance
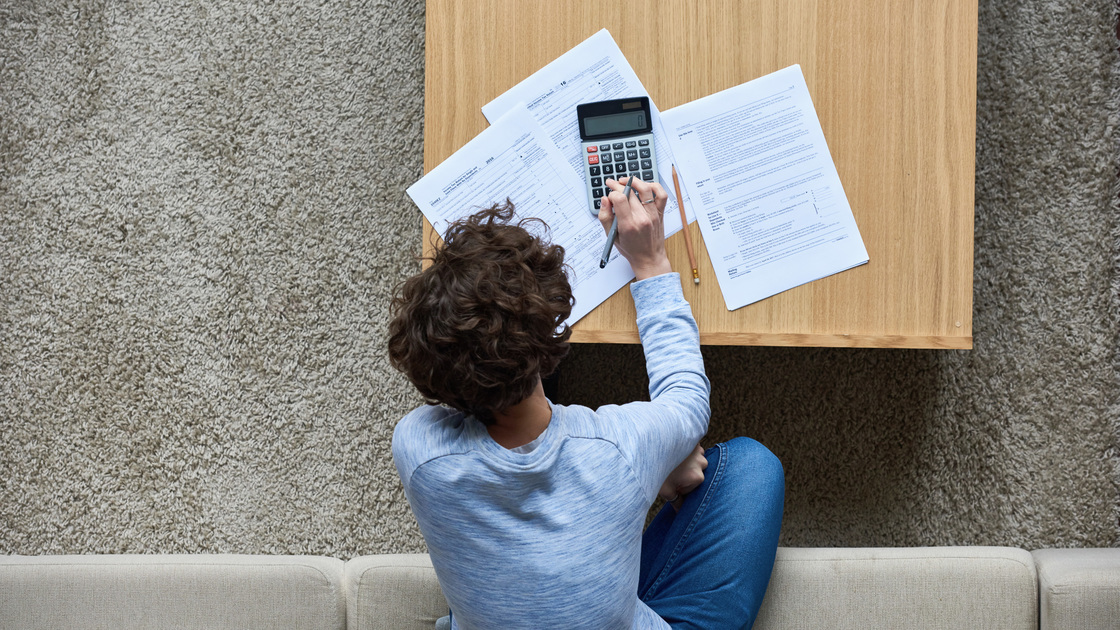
(644, 191)
(652, 195)
(612, 201)
(641, 229)
(616, 186)
(645, 207)
(606, 207)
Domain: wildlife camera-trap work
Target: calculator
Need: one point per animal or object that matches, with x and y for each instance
(617, 141)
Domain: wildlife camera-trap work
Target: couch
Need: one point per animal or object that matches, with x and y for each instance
(935, 587)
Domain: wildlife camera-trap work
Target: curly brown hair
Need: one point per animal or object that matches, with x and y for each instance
(477, 328)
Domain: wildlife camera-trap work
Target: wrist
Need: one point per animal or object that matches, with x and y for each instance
(652, 268)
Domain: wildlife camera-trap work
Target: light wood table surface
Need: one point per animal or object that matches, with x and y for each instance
(894, 86)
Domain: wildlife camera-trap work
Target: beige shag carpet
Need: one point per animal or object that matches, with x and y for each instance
(202, 214)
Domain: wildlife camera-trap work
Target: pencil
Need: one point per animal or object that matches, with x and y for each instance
(684, 226)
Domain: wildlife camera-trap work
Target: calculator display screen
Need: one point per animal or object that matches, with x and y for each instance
(615, 123)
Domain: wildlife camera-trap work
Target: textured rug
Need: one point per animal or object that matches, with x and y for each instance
(203, 215)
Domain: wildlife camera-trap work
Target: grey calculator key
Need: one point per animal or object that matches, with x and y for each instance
(633, 166)
(619, 156)
(597, 192)
(647, 163)
(631, 155)
(594, 170)
(647, 175)
(604, 147)
(643, 143)
(631, 144)
(607, 170)
(596, 182)
(644, 152)
(620, 167)
(604, 157)
(617, 145)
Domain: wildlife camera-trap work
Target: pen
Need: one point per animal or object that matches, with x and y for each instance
(614, 227)
(684, 225)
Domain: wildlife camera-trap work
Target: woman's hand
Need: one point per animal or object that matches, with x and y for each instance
(641, 226)
(685, 478)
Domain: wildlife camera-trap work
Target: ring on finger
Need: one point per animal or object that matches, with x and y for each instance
(651, 200)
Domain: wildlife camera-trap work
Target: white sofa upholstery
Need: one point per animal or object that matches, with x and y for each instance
(393, 591)
(925, 588)
(166, 591)
(941, 587)
(1079, 588)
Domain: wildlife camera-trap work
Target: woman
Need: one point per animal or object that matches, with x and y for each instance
(533, 512)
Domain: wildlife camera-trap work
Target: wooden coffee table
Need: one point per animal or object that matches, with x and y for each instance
(894, 85)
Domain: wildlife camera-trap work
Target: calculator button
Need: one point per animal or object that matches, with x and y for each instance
(596, 182)
(597, 192)
(604, 147)
(647, 175)
(620, 167)
(607, 169)
(592, 149)
(644, 153)
(594, 170)
(632, 166)
(643, 143)
(647, 163)
(631, 144)
(593, 159)
(617, 145)
(631, 155)
(598, 203)
(606, 157)
(619, 156)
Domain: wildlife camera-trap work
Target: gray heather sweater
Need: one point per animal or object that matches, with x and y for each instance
(552, 537)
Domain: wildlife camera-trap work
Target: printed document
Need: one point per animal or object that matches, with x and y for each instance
(514, 158)
(595, 70)
(766, 193)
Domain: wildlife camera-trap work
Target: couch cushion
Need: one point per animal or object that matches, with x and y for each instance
(929, 587)
(1079, 588)
(393, 592)
(169, 591)
(938, 587)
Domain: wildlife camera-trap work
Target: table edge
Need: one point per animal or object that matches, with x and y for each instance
(817, 340)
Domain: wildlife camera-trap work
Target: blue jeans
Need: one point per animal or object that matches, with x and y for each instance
(707, 566)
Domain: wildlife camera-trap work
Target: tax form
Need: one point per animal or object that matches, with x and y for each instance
(595, 70)
(514, 158)
(766, 192)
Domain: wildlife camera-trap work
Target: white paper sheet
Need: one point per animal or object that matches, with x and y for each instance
(766, 193)
(595, 70)
(514, 158)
